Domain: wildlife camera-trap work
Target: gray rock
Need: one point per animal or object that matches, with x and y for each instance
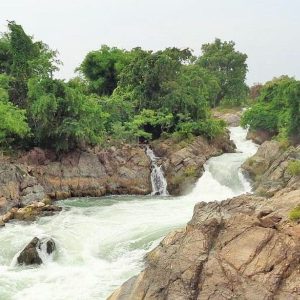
(30, 254)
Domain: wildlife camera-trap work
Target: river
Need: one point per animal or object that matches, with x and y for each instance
(101, 242)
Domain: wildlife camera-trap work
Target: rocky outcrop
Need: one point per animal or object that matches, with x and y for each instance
(259, 136)
(183, 161)
(124, 170)
(242, 248)
(40, 174)
(30, 212)
(269, 168)
(231, 118)
(17, 186)
(30, 255)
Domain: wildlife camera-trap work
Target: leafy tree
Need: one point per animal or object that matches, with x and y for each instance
(230, 68)
(62, 117)
(6, 59)
(277, 107)
(293, 93)
(191, 92)
(103, 67)
(12, 120)
(146, 76)
(21, 58)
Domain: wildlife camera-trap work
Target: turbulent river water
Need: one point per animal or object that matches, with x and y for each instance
(102, 241)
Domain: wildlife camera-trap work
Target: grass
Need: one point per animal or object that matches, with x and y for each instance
(294, 214)
(294, 167)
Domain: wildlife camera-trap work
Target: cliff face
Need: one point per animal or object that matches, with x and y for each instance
(39, 174)
(241, 248)
(124, 170)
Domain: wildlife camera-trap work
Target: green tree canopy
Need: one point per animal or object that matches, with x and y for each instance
(62, 117)
(230, 68)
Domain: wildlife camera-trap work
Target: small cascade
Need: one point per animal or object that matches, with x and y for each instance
(158, 180)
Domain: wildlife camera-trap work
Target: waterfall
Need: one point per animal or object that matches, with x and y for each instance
(158, 180)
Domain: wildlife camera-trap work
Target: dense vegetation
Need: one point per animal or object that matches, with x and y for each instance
(276, 109)
(131, 95)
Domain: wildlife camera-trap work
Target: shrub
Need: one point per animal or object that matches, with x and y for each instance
(294, 167)
(294, 214)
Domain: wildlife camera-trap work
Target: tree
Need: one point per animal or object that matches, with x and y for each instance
(12, 120)
(277, 107)
(147, 74)
(191, 92)
(294, 113)
(230, 68)
(103, 67)
(62, 117)
(21, 58)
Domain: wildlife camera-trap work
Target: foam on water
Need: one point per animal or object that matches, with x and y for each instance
(101, 242)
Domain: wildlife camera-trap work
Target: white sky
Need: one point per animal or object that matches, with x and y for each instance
(267, 30)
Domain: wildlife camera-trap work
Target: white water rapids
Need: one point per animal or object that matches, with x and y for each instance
(101, 242)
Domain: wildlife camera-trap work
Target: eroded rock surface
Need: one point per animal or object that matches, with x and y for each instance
(40, 174)
(97, 172)
(231, 118)
(17, 186)
(242, 248)
(269, 168)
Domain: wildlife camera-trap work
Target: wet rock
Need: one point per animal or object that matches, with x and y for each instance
(259, 136)
(30, 254)
(2, 224)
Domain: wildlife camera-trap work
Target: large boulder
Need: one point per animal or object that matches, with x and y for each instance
(30, 255)
(231, 118)
(268, 168)
(242, 248)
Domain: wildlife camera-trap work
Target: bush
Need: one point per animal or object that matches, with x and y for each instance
(209, 128)
(294, 214)
(294, 167)
(12, 123)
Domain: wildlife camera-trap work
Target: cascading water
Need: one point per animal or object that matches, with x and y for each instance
(158, 180)
(101, 242)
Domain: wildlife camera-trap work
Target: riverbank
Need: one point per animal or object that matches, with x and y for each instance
(40, 175)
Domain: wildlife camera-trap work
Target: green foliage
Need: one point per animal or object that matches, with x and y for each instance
(229, 67)
(102, 68)
(209, 128)
(120, 95)
(277, 108)
(294, 167)
(149, 124)
(294, 214)
(190, 171)
(62, 117)
(147, 76)
(12, 122)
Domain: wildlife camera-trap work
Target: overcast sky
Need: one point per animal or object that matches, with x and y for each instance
(267, 30)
